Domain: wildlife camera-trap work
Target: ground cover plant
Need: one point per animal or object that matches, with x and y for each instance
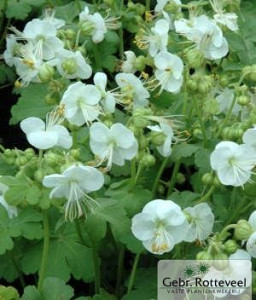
(131, 138)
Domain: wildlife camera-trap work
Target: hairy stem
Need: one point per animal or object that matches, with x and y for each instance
(133, 273)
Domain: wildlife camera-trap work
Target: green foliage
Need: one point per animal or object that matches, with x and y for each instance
(31, 103)
(8, 293)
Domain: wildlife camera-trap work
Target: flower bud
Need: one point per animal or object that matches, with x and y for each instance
(157, 138)
(139, 63)
(51, 159)
(192, 85)
(203, 255)
(250, 72)
(143, 143)
(231, 246)
(208, 178)
(8, 153)
(180, 178)
(140, 122)
(220, 261)
(172, 7)
(29, 153)
(75, 153)
(195, 58)
(86, 27)
(243, 100)
(69, 66)
(70, 34)
(243, 230)
(20, 161)
(148, 160)
(10, 160)
(52, 98)
(46, 73)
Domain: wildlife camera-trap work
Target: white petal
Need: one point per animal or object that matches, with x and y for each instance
(32, 124)
(100, 80)
(143, 226)
(122, 135)
(43, 140)
(252, 220)
(99, 132)
(251, 245)
(64, 138)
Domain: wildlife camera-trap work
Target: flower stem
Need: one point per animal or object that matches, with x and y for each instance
(207, 195)
(225, 229)
(173, 178)
(201, 122)
(96, 270)
(120, 270)
(133, 273)
(138, 173)
(45, 250)
(40, 157)
(148, 5)
(237, 211)
(79, 232)
(158, 176)
(121, 33)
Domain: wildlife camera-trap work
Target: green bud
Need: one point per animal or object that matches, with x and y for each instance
(205, 85)
(220, 261)
(243, 100)
(139, 63)
(52, 98)
(192, 85)
(8, 153)
(46, 73)
(180, 178)
(231, 246)
(250, 72)
(224, 80)
(20, 161)
(69, 66)
(140, 122)
(75, 153)
(157, 138)
(172, 7)
(197, 132)
(148, 160)
(243, 230)
(82, 49)
(10, 161)
(86, 27)
(208, 178)
(203, 255)
(29, 153)
(143, 143)
(141, 112)
(39, 175)
(136, 131)
(195, 58)
(160, 189)
(70, 34)
(109, 2)
(51, 159)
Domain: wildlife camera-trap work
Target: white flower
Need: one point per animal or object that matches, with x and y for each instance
(165, 149)
(132, 89)
(81, 103)
(227, 19)
(161, 4)
(11, 210)
(249, 137)
(46, 135)
(251, 243)
(74, 184)
(160, 226)
(27, 64)
(43, 36)
(114, 144)
(169, 68)
(128, 64)
(72, 65)
(154, 40)
(233, 163)
(96, 22)
(107, 98)
(200, 219)
(205, 34)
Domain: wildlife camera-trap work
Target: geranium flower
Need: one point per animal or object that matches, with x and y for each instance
(74, 184)
(47, 135)
(227, 19)
(43, 36)
(155, 39)
(205, 34)
(160, 226)
(107, 98)
(97, 25)
(72, 65)
(133, 93)
(81, 103)
(11, 210)
(114, 144)
(200, 222)
(169, 68)
(165, 149)
(233, 163)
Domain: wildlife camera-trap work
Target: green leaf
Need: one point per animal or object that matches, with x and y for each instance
(95, 228)
(7, 169)
(183, 150)
(6, 74)
(69, 11)
(18, 10)
(56, 289)
(8, 293)
(184, 199)
(109, 63)
(31, 293)
(132, 244)
(33, 195)
(31, 103)
(202, 160)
